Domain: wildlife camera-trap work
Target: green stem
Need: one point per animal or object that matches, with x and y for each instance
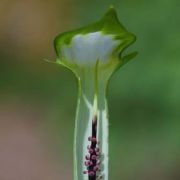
(91, 103)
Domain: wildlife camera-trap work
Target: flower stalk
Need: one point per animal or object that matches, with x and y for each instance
(93, 53)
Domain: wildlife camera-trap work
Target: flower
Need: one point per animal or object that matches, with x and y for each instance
(93, 53)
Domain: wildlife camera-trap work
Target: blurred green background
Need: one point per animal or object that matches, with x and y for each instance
(38, 100)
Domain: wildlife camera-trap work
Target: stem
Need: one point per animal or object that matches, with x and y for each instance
(91, 122)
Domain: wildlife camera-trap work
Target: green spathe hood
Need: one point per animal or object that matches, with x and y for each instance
(102, 42)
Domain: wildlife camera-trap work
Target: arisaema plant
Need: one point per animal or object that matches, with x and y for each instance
(93, 53)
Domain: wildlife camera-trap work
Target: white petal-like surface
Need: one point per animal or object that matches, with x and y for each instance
(87, 49)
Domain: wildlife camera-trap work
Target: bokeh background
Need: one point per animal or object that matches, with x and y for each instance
(38, 100)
